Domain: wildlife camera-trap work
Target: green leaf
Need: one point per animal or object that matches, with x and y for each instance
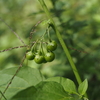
(67, 84)
(26, 77)
(83, 87)
(26, 94)
(44, 91)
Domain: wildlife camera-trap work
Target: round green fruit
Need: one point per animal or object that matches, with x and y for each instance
(49, 56)
(39, 59)
(51, 46)
(30, 55)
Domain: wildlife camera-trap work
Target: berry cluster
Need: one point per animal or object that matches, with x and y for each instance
(44, 53)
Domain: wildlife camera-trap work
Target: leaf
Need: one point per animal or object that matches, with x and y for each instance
(26, 77)
(26, 94)
(83, 87)
(67, 84)
(44, 91)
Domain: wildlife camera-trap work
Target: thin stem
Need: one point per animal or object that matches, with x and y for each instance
(17, 47)
(33, 30)
(48, 34)
(14, 75)
(3, 95)
(32, 47)
(78, 78)
(13, 31)
(12, 48)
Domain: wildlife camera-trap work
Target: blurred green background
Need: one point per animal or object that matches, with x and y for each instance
(79, 24)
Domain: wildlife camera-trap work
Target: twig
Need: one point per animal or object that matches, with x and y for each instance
(13, 48)
(14, 75)
(77, 50)
(3, 95)
(17, 47)
(13, 31)
(33, 29)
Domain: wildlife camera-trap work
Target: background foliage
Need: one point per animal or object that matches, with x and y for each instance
(79, 23)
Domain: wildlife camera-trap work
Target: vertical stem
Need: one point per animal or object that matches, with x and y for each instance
(61, 42)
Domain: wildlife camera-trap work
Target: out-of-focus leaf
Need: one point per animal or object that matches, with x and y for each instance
(26, 77)
(44, 91)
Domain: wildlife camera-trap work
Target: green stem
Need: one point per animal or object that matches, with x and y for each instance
(61, 42)
(33, 46)
(48, 34)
